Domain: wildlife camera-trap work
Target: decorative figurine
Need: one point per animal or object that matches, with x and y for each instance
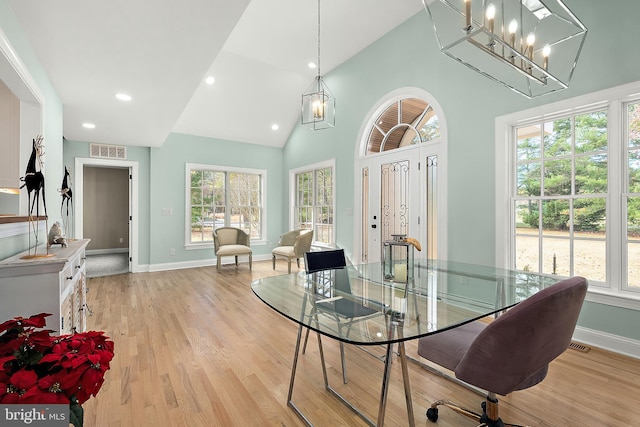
(67, 197)
(56, 236)
(34, 181)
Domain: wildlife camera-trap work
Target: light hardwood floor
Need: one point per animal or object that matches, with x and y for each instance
(196, 347)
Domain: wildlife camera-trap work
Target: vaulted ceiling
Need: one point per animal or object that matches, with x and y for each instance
(160, 52)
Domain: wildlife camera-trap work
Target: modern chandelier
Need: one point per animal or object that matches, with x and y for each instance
(318, 104)
(530, 46)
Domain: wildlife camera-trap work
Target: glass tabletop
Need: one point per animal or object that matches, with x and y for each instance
(358, 305)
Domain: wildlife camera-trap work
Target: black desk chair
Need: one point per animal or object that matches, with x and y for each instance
(511, 353)
(332, 287)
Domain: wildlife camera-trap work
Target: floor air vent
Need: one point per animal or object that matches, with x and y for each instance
(108, 151)
(579, 347)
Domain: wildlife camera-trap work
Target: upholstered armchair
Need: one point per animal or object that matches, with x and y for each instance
(231, 241)
(293, 245)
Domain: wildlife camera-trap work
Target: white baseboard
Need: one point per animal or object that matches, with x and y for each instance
(201, 263)
(610, 342)
(107, 251)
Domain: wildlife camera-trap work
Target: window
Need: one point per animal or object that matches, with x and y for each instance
(407, 121)
(568, 191)
(313, 201)
(222, 196)
(561, 185)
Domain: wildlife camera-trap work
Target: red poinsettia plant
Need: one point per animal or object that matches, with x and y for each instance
(38, 368)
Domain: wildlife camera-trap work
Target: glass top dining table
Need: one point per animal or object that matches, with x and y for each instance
(438, 295)
(443, 295)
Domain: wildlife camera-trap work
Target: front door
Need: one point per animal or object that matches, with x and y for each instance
(393, 205)
(400, 196)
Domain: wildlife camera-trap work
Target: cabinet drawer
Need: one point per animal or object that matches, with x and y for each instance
(66, 280)
(77, 263)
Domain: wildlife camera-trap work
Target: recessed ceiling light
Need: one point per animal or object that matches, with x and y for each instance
(123, 97)
(312, 65)
(210, 80)
(88, 126)
(275, 127)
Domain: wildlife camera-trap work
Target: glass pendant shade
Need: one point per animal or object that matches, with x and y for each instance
(530, 46)
(318, 106)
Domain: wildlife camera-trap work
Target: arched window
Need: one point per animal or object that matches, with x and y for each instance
(407, 121)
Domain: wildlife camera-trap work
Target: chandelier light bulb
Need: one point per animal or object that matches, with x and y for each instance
(491, 14)
(318, 109)
(546, 50)
(513, 27)
(531, 39)
(467, 14)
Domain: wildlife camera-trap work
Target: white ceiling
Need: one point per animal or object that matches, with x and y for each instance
(160, 51)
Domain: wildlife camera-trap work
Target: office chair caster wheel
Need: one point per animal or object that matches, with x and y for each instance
(432, 414)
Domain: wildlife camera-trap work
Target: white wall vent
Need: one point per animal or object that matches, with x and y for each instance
(108, 151)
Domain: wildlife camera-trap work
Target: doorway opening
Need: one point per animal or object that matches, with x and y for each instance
(107, 214)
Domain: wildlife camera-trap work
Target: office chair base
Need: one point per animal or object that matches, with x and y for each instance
(483, 419)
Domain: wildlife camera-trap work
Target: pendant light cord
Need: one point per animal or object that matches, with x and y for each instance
(318, 39)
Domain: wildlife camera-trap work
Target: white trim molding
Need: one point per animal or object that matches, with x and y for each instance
(611, 291)
(134, 170)
(605, 341)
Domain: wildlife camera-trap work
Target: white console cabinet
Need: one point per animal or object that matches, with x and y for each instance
(55, 284)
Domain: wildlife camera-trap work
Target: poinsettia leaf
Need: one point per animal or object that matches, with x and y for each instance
(76, 414)
(24, 379)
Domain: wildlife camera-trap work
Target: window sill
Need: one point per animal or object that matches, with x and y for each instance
(604, 296)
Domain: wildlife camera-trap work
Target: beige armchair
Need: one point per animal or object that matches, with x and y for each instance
(231, 241)
(293, 245)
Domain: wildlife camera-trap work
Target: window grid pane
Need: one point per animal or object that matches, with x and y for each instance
(560, 203)
(221, 198)
(314, 204)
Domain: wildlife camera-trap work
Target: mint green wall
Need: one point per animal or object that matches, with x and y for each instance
(162, 185)
(409, 56)
(167, 176)
(73, 149)
(52, 126)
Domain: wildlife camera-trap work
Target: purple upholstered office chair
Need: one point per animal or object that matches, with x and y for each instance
(511, 353)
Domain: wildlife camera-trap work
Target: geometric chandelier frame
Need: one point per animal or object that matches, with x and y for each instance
(318, 104)
(529, 46)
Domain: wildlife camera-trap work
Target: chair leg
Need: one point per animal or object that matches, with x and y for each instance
(218, 263)
(273, 259)
(298, 262)
(488, 418)
(250, 260)
(289, 265)
(236, 260)
(432, 412)
(344, 363)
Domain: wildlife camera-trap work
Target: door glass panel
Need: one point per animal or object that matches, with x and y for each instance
(393, 198)
(365, 214)
(432, 207)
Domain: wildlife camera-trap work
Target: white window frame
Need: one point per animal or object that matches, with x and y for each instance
(188, 245)
(292, 195)
(614, 101)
